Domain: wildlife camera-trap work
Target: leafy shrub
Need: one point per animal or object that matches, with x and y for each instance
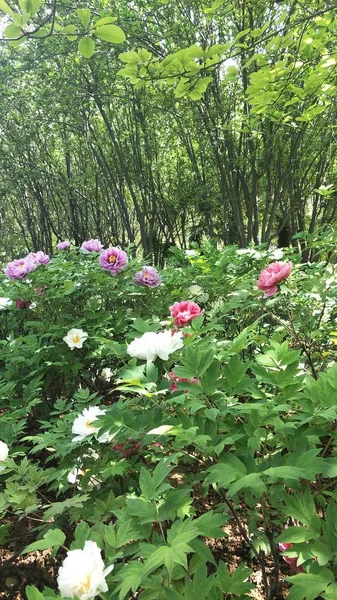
(103, 448)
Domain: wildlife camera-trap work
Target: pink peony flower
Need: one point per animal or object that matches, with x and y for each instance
(183, 312)
(291, 561)
(148, 277)
(175, 379)
(17, 269)
(39, 258)
(269, 278)
(92, 246)
(113, 260)
(63, 245)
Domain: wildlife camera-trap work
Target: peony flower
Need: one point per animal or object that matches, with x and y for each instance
(195, 290)
(92, 246)
(148, 277)
(5, 303)
(75, 338)
(17, 269)
(106, 374)
(75, 475)
(38, 258)
(113, 260)
(3, 453)
(182, 313)
(168, 343)
(82, 425)
(22, 304)
(144, 347)
(82, 574)
(175, 379)
(291, 561)
(269, 278)
(150, 345)
(63, 245)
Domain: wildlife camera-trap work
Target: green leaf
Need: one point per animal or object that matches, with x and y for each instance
(110, 33)
(146, 484)
(53, 537)
(131, 576)
(6, 9)
(234, 583)
(105, 21)
(296, 534)
(209, 524)
(12, 31)
(130, 57)
(33, 593)
(84, 15)
(252, 481)
(284, 472)
(86, 47)
(308, 586)
(82, 533)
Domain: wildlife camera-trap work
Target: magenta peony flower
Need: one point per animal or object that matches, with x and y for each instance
(63, 245)
(113, 260)
(39, 258)
(291, 561)
(22, 304)
(92, 246)
(269, 278)
(17, 269)
(183, 312)
(148, 276)
(175, 379)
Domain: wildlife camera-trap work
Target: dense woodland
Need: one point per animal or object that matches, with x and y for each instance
(226, 130)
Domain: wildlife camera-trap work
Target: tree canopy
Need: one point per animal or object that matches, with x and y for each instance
(156, 123)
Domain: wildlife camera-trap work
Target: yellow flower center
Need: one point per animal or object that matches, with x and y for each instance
(83, 587)
(146, 275)
(87, 423)
(76, 339)
(112, 259)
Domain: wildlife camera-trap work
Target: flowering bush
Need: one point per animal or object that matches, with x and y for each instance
(115, 469)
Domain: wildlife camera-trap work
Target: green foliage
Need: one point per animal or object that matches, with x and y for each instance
(248, 424)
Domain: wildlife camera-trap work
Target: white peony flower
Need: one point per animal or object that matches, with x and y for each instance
(168, 343)
(5, 303)
(277, 254)
(82, 574)
(3, 453)
(75, 475)
(75, 338)
(106, 374)
(82, 425)
(195, 290)
(144, 347)
(150, 345)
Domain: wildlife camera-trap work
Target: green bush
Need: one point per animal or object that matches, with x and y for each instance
(247, 420)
